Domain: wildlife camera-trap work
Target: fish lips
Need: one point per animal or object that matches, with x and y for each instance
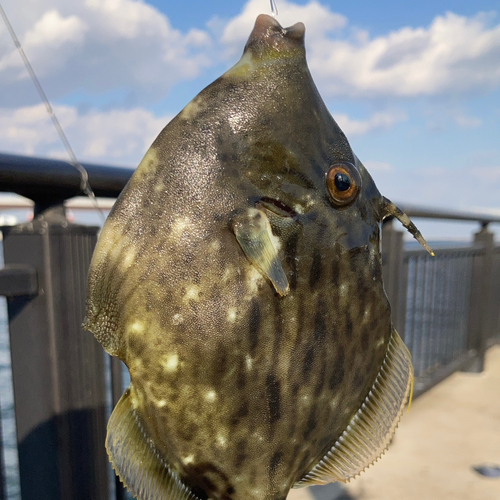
(268, 34)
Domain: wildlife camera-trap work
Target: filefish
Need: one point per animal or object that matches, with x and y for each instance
(238, 276)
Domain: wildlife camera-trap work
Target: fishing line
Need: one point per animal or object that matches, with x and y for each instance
(84, 176)
(274, 8)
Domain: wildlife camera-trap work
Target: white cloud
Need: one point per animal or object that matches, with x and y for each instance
(454, 54)
(55, 30)
(117, 136)
(98, 46)
(381, 120)
(94, 47)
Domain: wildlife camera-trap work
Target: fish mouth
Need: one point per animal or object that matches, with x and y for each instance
(265, 23)
(277, 207)
(269, 36)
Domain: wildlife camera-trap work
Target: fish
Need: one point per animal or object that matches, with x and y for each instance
(238, 276)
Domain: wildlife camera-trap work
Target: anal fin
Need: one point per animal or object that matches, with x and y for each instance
(135, 459)
(371, 429)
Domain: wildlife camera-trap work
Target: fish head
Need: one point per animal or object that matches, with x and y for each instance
(301, 172)
(239, 278)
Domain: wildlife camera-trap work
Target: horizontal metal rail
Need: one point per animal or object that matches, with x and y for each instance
(13, 201)
(418, 211)
(40, 179)
(44, 178)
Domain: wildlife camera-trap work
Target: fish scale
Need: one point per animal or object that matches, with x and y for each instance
(238, 276)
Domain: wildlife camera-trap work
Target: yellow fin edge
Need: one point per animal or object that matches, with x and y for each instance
(370, 431)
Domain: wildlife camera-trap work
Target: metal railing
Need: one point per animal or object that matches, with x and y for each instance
(446, 308)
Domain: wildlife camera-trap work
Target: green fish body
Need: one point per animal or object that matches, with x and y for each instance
(238, 277)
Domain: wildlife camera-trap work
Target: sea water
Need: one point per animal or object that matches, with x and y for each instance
(10, 458)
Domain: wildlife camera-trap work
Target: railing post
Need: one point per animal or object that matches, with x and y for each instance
(57, 368)
(479, 312)
(494, 332)
(393, 273)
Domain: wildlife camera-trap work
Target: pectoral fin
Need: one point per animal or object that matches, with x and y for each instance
(253, 232)
(135, 459)
(370, 431)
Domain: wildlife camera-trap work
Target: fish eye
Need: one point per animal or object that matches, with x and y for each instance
(343, 182)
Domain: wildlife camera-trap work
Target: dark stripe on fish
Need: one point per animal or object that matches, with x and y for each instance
(254, 326)
(338, 370)
(273, 390)
(275, 462)
(316, 269)
(290, 258)
(319, 321)
(308, 363)
(311, 423)
(241, 453)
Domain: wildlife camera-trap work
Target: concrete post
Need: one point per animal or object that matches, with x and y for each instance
(393, 273)
(480, 302)
(57, 368)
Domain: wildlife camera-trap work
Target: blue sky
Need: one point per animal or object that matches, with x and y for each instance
(414, 85)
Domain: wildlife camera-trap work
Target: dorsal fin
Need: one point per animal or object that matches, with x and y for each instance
(370, 431)
(135, 459)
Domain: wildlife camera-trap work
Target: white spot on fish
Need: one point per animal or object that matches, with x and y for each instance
(128, 257)
(210, 396)
(258, 437)
(159, 187)
(249, 362)
(228, 274)
(254, 281)
(275, 241)
(231, 314)
(221, 440)
(148, 164)
(170, 362)
(181, 225)
(366, 314)
(188, 459)
(161, 403)
(177, 319)
(192, 293)
(215, 246)
(192, 109)
(137, 327)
